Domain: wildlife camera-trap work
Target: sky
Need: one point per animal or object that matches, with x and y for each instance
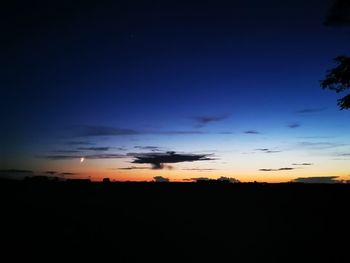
(178, 89)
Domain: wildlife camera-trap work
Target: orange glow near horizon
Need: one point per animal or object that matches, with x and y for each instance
(185, 176)
(123, 170)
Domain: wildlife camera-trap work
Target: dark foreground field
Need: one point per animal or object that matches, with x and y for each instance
(190, 222)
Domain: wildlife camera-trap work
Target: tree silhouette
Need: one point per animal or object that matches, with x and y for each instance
(338, 79)
(339, 13)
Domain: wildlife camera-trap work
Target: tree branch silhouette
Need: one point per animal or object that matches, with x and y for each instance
(338, 79)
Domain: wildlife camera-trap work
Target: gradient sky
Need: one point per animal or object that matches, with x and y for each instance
(232, 87)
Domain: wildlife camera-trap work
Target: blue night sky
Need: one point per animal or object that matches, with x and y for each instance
(179, 89)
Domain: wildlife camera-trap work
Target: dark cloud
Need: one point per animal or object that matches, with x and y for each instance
(201, 121)
(252, 132)
(302, 164)
(311, 110)
(266, 150)
(275, 170)
(67, 173)
(317, 180)
(161, 179)
(286, 169)
(131, 168)
(94, 148)
(294, 125)
(157, 160)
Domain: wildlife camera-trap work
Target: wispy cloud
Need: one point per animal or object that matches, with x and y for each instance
(131, 168)
(294, 125)
(321, 145)
(67, 173)
(302, 164)
(252, 132)
(275, 170)
(344, 154)
(267, 150)
(157, 160)
(201, 121)
(311, 110)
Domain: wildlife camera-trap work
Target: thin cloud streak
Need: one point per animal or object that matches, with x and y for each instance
(294, 125)
(266, 150)
(276, 170)
(252, 132)
(311, 110)
(201, 121)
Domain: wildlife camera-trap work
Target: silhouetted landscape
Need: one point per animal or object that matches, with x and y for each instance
(244, 222)
(175, 130)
